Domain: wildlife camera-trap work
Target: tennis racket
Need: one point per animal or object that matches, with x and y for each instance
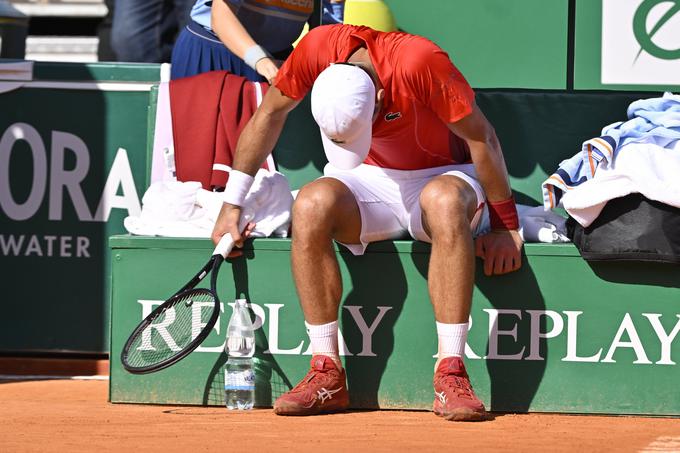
(180, 324)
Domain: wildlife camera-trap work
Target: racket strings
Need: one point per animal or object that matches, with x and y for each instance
(172, 329)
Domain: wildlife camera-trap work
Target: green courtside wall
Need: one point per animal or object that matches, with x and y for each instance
(63, 135)
(559, 335)
(494, 42)
(553, 44)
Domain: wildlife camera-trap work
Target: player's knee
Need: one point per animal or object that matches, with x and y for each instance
(445, 199)
(314, 203)
(447, 209)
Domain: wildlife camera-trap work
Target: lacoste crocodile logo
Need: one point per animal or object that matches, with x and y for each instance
(391, 116)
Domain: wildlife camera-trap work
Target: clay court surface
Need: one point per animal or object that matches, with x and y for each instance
(74, 416)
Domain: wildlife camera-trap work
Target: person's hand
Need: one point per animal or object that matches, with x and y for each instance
(501, 251)
(267, 68)
(227, 222)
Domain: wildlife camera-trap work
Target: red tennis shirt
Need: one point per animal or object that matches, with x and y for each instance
(423, 92)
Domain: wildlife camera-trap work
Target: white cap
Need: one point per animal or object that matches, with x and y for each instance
(343, 101)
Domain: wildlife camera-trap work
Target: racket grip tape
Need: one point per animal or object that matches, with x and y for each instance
(224, 246)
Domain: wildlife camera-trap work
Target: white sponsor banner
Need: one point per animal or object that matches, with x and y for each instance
(641, 42)
(565, 328)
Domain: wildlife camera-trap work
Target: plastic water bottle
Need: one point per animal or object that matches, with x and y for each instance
(239, 378)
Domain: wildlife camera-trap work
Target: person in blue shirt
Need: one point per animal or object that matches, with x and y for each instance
(245, 37)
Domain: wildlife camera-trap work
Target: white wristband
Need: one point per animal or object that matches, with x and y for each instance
(238, 185)
(255, 54)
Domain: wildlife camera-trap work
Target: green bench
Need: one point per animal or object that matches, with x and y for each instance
(560, 335)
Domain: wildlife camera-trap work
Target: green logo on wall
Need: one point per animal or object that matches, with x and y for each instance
(644, 37)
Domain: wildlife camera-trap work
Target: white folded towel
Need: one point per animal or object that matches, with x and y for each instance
(184, 209)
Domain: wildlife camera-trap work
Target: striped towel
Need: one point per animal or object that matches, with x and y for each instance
(655, 120)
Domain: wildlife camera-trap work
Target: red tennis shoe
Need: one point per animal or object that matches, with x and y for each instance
(323, 390)
(454, 398)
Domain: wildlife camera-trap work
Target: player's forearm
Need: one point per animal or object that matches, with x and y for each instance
(258, 140)
(490, 167)
(493, 176)
(254, 145)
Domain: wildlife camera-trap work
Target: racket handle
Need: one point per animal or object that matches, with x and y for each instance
(224, 246)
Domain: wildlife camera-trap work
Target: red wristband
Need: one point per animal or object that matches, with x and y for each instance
(503, 215)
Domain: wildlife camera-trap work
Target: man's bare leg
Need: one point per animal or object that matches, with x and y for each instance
(324, 210)
(448, 204)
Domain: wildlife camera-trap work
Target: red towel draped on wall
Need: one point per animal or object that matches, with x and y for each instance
(209, 111)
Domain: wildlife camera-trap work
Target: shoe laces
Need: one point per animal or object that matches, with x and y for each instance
(459, 384)
(313, 378)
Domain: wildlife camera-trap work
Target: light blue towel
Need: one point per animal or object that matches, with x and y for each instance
(655, 120)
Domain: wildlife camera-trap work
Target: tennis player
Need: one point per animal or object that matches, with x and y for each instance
(409, 153)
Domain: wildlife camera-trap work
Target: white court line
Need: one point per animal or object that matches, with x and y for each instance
(663, 443)
(36, 377)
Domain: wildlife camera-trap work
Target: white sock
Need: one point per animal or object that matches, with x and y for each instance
(324, 339)
(452, 338)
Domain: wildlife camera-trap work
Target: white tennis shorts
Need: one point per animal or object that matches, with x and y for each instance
(389, 204)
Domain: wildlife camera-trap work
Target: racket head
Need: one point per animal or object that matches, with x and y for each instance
(171, 331)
